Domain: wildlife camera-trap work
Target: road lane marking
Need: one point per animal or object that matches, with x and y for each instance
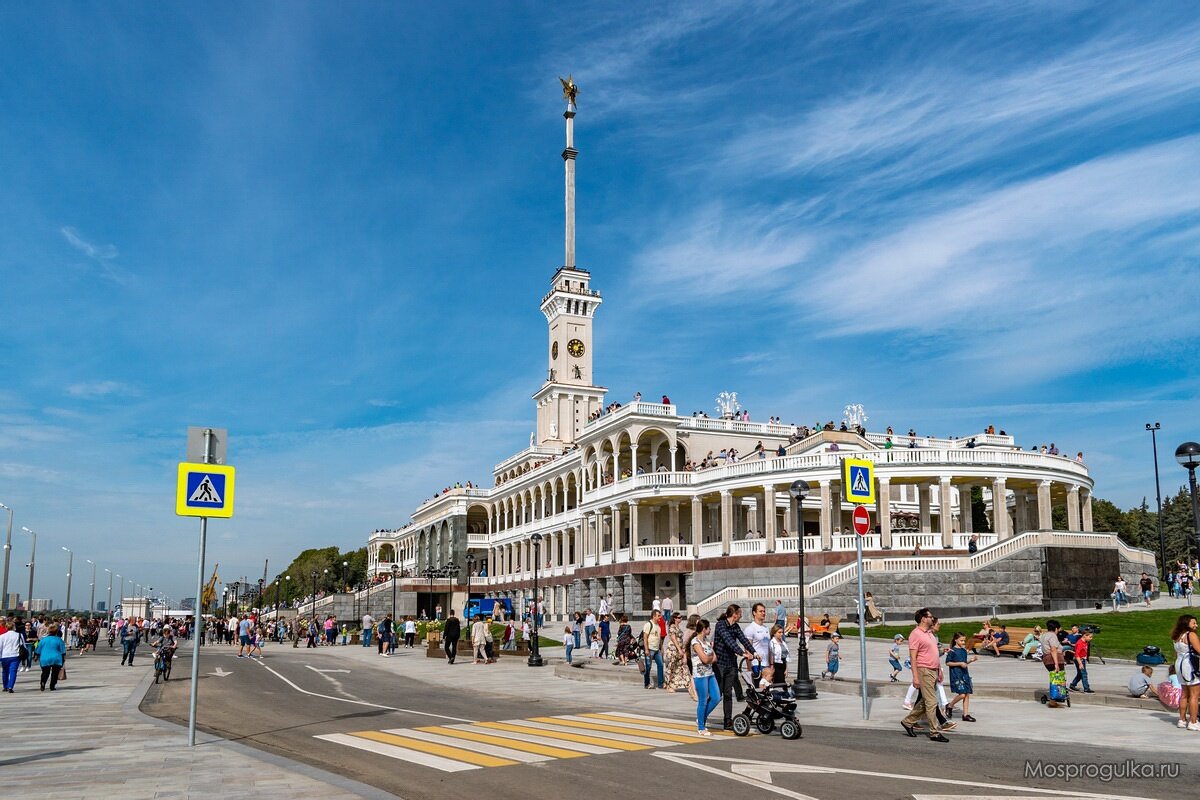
(576, 742)
(398, 753)
(358, 702)
(457, 753)
(581, 722)
(545, 751)
(504, 752)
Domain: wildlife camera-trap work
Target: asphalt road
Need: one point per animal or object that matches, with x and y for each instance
(283, 704)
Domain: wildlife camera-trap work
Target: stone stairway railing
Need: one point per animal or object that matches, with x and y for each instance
(966, 563)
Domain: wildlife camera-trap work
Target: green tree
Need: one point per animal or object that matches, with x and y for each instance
(979, 517)
(1179, 527)
(1107, 517)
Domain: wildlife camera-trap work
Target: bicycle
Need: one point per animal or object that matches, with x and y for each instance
(163, 657)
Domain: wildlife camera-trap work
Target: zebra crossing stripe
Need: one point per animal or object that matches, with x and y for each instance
(527, 751)
(653, 722)
(552, 732)
(630, 728)
(576, 742)
(478, 759)
(398, 753)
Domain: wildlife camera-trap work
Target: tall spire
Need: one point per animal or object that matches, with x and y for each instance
(570, 90)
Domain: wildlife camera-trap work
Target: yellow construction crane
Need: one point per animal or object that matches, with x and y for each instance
(208, 595)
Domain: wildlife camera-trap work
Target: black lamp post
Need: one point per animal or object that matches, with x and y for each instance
(314, 593)
(451, 571)
(1188, 456)
(535, 656)
(802, 687)
(344, 565)
(261, 583)
(278, 580)
(395, 580)
(470, 568)
(1162, 542)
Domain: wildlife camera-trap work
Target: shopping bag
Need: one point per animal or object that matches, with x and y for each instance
(1058, 686)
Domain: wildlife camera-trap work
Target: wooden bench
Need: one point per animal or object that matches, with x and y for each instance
(814, 625)
(1014, 646)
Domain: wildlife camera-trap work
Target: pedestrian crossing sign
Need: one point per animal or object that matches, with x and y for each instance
(204, 490)
(858, 481)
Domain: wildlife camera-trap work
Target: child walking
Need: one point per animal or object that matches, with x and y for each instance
(1081, 662)
(958, 659)
(832, 658)
(894, 656)
(595, 645)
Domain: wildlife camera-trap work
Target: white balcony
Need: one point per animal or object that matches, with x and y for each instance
(748, 547)
(710, 550)
(653, 551)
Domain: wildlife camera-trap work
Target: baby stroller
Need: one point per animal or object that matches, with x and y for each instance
(765, 705)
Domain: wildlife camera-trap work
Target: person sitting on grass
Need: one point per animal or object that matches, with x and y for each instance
(1140, 684)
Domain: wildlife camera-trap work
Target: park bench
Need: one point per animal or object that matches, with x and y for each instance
(1014, 646)
(814, 625)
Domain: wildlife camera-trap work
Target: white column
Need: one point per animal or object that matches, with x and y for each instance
(697, 525)
(1087, 510)
(616, 530)
(768, 516)
(633, 530)
(826, 506)
(1073, 508)
(633, 459)
(947, 516)
(673, 521)
(674, 466)
(726, 521)
(923, 504)
(964, 508)
(1002, 527)
(884, 511)
(1045, 520)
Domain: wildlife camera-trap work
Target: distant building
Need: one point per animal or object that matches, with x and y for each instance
(102, 606)
(188, 604)
(13, 600)
(36, 605)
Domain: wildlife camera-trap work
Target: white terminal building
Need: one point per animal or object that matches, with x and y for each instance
(617, 505)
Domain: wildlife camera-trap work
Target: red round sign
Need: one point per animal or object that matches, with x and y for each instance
(862, 521)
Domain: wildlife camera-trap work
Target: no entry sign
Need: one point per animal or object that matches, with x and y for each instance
(862, 521)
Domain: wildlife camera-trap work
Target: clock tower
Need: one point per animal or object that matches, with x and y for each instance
(569, 395)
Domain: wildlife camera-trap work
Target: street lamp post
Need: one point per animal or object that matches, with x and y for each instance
(535, 655)
(802, 687)
(261, 583)
(343, 586)
(1162, 542)
(32, 564)
(92, 607)
(314, 585)
(108, 609)
(7, 555)
(1188, 456)
(70, 568)
(450, 571)
(470, 568)
(395, 580)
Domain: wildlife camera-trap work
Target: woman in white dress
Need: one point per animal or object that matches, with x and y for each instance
(1187, 653)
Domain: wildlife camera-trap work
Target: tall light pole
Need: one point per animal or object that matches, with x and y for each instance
(535, 655)
(32, 563)
(470, 567)
(314, 579)
(395, 580)
(344, 565)
(1162, 542)
(1188, 456)
(92, 607)
(108, 607)
(802, 687)
(121, 594)
(7, 555)
(70, 568)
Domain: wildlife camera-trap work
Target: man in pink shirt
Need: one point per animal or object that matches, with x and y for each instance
(923, 651)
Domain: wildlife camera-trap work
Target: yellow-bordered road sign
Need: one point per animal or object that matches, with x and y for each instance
(204, 490)
(858, 481)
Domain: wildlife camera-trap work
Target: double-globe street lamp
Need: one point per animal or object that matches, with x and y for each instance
(395, 580)
(535, 655)
(802, 687)
(92, 607)
(7, 555)
(314, 595)
(1188, 456)
(1162, 542)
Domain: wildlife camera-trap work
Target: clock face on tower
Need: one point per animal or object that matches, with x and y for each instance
(554, 350)
(575, 348)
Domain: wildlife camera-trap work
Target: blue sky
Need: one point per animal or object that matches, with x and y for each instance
(327, 227)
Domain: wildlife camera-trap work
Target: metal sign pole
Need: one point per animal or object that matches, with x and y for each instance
(862, 630)
(197, 617)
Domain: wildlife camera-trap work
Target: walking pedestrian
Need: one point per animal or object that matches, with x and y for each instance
(410, 632)
(1053, 657)
(705, 682)
(11, 642)
(777, 655)
(130, 636)
(1082, 648)
(926, 669)
(450, 637)
(678, 676)
(652, 644)
(730, 645)
(958, 660)
(479, 640)
(605, 635)
(1187, 667)
(51, 649)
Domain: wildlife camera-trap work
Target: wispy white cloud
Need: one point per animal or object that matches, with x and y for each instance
(94, 389)
(102, 254)
(377, 403)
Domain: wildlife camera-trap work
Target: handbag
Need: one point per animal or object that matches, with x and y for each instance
(62, 673)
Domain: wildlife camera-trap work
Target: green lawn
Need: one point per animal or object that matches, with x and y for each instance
(1122, 634)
